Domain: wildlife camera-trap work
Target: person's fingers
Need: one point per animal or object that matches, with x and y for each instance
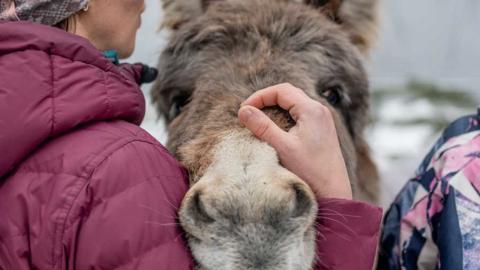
(262, 126)
(314, 113)
(284, 95)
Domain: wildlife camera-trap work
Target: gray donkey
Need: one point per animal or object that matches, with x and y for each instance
(244, 210)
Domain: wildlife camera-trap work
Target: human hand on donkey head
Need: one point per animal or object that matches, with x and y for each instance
(311, 148)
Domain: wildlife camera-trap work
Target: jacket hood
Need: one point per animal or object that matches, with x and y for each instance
(52, 82)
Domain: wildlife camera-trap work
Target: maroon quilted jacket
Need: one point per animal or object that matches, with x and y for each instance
(83, 187)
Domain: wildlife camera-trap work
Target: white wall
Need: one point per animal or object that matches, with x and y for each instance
(437, 40)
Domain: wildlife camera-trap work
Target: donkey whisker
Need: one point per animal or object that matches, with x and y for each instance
(343, 217)
(172, 215)
(162, 224)
(171, 204)
(338, 234)
(341, 223)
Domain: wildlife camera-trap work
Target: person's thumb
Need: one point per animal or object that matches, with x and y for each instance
(262, 126)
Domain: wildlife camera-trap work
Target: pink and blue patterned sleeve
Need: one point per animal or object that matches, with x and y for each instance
(434, 222)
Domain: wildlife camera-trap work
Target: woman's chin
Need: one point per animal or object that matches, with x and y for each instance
(126, 51)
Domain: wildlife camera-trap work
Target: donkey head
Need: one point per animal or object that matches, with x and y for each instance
(244, 210)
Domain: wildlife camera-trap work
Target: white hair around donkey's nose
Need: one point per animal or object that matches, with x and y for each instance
(245, 183)
(247, 208)
(270, 202)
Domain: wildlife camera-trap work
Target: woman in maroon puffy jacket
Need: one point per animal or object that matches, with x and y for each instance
(81, 183)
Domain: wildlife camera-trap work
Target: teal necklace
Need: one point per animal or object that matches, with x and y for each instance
(111, 55)
(148, 74)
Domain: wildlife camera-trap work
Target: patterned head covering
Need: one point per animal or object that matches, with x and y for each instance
(49, 12)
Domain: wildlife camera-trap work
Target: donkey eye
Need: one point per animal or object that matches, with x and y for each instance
(332, 95)
(175, 110)
(176, 106)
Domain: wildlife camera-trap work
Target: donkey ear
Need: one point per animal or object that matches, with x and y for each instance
(359, 18)
(179, 12)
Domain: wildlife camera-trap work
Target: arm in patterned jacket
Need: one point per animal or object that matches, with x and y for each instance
(434, 223)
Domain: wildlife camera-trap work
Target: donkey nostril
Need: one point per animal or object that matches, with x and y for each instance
(197, 211)
(303, 202)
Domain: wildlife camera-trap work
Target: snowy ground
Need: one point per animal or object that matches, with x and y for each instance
(441, 47)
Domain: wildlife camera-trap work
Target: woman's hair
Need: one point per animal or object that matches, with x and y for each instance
(68, 24)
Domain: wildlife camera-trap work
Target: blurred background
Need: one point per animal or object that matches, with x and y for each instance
(424, 73)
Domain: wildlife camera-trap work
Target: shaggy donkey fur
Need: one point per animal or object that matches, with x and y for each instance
(359, 18)
(244, 210)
